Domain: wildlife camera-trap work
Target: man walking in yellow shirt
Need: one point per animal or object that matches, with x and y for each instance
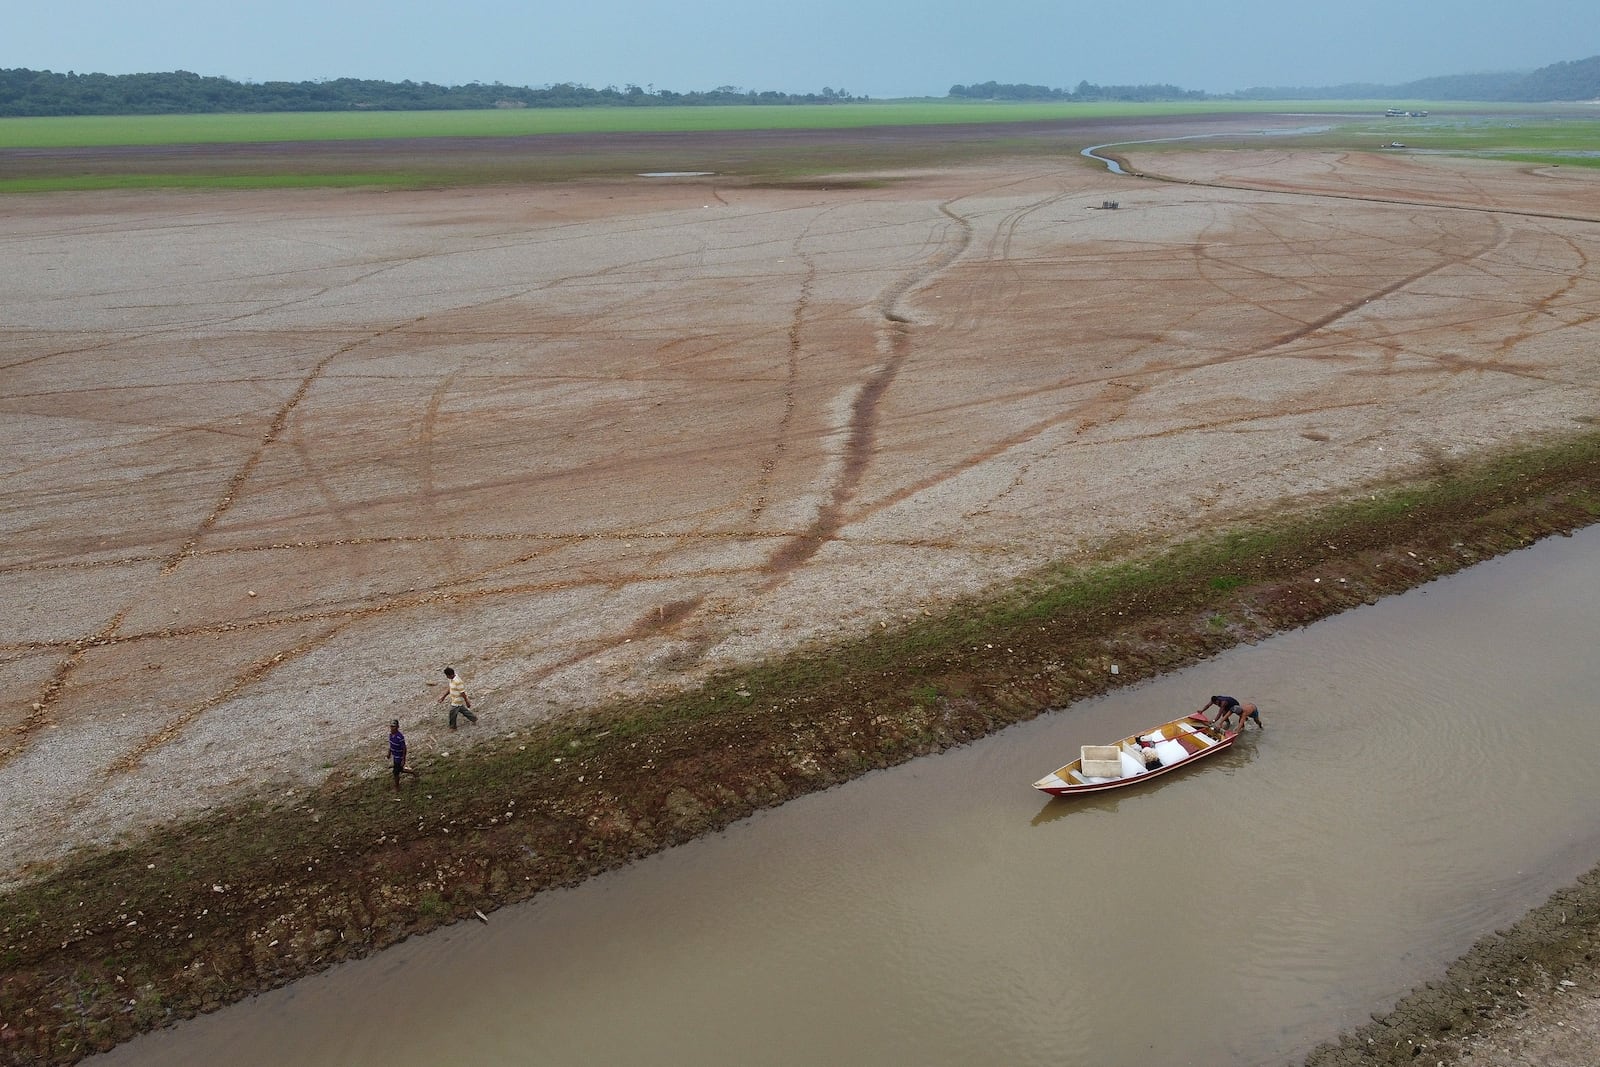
(460, 703)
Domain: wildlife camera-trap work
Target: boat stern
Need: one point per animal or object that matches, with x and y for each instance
(1052, 783)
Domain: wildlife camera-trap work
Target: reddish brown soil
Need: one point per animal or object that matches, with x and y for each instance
(274, 458)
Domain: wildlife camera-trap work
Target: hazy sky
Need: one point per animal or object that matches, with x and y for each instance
(879, 48)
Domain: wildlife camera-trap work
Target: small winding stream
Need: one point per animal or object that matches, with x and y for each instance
(1093, 151)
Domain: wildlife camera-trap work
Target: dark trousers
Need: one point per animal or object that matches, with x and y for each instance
(460, 709)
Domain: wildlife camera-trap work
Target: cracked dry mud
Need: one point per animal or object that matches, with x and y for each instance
(275, 458)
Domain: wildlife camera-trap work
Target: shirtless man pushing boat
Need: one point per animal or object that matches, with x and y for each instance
(1227, 707)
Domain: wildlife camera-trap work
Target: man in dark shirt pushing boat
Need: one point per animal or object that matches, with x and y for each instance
(1227, 707)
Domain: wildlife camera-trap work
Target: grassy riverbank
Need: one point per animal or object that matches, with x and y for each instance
(441, 149)
(114, 942)
(83, 131)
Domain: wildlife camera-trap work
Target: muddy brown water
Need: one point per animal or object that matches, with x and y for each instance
(1428, 773)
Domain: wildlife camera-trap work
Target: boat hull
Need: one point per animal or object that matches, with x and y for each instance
(1194, 735)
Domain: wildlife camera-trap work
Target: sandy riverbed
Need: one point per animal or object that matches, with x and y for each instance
(275, 458)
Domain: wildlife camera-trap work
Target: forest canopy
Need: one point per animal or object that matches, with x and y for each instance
(26, 92)
(1579, 80)
(43, 92)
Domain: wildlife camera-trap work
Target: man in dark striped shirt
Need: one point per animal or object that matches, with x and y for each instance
(1228, 707)
(397, 753)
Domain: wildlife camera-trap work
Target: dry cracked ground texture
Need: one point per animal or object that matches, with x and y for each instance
(272, 459)
(1563, 1030)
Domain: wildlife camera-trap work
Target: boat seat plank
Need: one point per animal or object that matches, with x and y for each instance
(1194, 733)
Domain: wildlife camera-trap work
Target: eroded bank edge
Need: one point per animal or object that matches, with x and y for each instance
(1505, 975)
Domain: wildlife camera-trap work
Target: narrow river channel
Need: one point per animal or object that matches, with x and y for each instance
(1429, 771)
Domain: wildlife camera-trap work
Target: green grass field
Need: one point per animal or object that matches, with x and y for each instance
(484, 151)
(1565, 138)
(108, 130)
(99, 182)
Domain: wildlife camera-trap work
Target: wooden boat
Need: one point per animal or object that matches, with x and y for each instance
(1178, 743)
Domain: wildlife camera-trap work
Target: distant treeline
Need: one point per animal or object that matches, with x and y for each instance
(1577, 80)
(1084, 92)
(42, 92)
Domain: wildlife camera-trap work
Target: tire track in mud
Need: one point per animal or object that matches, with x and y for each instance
(427, 430)
(1368, 198)
(860, 437)
(1005, 234)
(1471, 259)
(1281, 246)
(341, 620)
(681, 611)
(767, 469)
(38, 716)
(273, 432)
(791, 384)
(700, 528)
(317, 483)
(664, 620)
(187, 329)
(426, 435)
(661, 619)
(1488, 244)
(667, 619)
(1073, 414)
(133, 757)
(796, 546)
(555, 539)
(856, 455)
(858, 450)
(41, 357)
(1004, 240)
(454, 592)
(794, 347)
(60, 679)
(859, 446)
(1202, 255)
(997, 289)
(1126, 393)
(551, 541)
(1303, 330)
(1545, 305)
(443, 593)
(1496, 239)
(949, 252)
